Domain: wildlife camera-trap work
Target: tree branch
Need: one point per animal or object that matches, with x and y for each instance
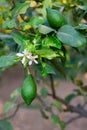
(70, 108)
(6, 116)
(52, 86)
(73, 119)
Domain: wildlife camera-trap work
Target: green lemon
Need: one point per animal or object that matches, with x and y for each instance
(55, 18)
(28, 90)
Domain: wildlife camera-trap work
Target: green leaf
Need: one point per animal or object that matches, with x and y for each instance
(46, 53)
(78, 82)
(69, 36)
(84, 88)
(59, 67)
(20, 8)
(58, 105)
(83, 7)
(70, 97)
(47, 69)
(8, 60)
(62, 125)
(50, 69)
(36, 21)
(15, 94)
(78, 92)
(44, 92)
(5, 36)
(46, 4)
(44, 29)
(55, 119)
(5, 125)
(81, 27)
(19, 38)
(8, 106)
(51, 41)
(9, 24)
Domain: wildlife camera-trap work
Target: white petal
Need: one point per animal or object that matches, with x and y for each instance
(23, 60)
(36, 56)
(20, 54)
(36, 61)
(30, 62)
(29, 57)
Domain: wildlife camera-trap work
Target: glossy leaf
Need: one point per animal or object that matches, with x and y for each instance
(58, 105)
(21, 8)
(36, 21)
(55, 119)
(45, 29)
(18, 38)
(46, 53)
(70, 97)
(8, 106)
(69, 36)
(50, 69)
(15, 94)
(83, 7)
(9, 24)
(7, 60)
(51, 41)
(62, 125)
(81, 27)
(47, 69)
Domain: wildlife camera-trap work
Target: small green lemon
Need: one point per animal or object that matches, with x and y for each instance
(55, 18)
(28, 90)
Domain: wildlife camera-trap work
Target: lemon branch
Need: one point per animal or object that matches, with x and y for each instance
(69, 108)
(9, 116)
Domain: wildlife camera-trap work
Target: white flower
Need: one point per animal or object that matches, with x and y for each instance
(27, 55)
(24, 55)
(33, 59)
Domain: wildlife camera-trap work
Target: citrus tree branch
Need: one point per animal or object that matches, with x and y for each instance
(52, 86)
(73, 119)
(9, 116)
(70, 108)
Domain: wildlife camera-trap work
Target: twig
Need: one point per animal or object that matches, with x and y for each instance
(73, 119)
(54, 93)
(5, 116)
(52, 86)
(70, 108)
(60, 99)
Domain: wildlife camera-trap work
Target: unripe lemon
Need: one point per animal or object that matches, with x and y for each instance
(55, 18)
(28, 90)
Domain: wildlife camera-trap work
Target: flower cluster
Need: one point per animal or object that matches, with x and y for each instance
(27, 55)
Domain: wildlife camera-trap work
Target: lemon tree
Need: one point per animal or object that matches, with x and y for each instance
(49, 39)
